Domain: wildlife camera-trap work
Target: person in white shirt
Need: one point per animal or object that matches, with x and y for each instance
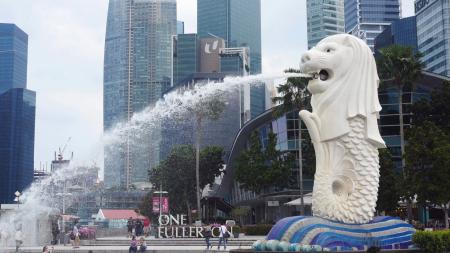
(223, 236)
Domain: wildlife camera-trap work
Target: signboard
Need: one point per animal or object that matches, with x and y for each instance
(421, 4)
(164, 204)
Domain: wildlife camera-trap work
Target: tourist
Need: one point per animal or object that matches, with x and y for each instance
(139, 227)
(47, 250)
(142, 245)
(133, 245)
(76, 236)
(55, 232)
(130, 227)
(207, 234)
(18, 238)
(146, 227)
(223, 236)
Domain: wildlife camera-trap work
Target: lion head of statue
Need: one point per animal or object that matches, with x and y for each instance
(344, 85)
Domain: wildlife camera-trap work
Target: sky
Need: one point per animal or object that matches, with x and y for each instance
(65, 63)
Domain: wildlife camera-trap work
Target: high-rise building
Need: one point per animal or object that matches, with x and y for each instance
(239, 24)
(17, 114)
(400, 32)
(324, 18)
(180, 27)
(13, 57)
(236, 21)
(137, 71)
(433, 34)
(366, 19)
(185, 57)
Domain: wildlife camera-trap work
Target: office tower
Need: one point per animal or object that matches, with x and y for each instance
(239, 24)
(137, 71)
(324, 18)
(180, 27)
(433, 34)
(400, 32)
(17, 114)
(366, 19)
(236, 21)
(185, 57)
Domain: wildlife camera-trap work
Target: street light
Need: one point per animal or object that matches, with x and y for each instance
(17, 198)
(160, 192)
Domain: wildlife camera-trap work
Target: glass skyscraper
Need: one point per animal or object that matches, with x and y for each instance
(17, 114)
(239, 24)
(137, 71)
(185, 57)
(366, 19)
(324, 18)
(433, 34)
(236, 21)
(400, 32)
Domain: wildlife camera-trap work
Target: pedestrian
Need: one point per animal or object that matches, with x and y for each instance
(55, 232)
(146, 227)
(130, 227)
(76, 236)
(46, 249)
(19, 239)
(139, 227)
(133, 245)
(223, 236)
(207, 234)
(142, 245)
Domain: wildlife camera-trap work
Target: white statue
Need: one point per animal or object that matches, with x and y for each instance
(343, 128)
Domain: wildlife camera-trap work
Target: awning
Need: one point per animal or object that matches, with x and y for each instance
(307, 200)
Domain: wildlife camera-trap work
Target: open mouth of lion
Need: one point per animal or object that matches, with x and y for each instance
(323, 75)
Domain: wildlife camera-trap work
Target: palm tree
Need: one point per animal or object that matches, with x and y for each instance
(401, 67)
(294, 96)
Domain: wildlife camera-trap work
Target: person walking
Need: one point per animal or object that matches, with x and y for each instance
(19, 239)
(130, 227)
(76, 236)
(207, 234)
(223, 236)
(133, 245)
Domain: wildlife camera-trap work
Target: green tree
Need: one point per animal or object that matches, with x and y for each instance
(177, 173)
(258, 169)
(146, 205)
(294, 96)
(427, 165)
(399, 66)
(388, 192)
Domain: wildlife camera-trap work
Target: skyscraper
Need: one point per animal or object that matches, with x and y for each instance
(433, 34)
(236, 21)
(366, 19)
(324, 18)
(137, 71)
(239, 23)
(17, 114)
(400, 32)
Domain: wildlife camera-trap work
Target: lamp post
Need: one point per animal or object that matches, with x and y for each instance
(160, 192)
(17, 198)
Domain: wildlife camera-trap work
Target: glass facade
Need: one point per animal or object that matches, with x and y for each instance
(324, 18)
(433, 34)
(400, 32)
(13, 57)
(137, 71)
(236, 21)
(17, 114)
(366, 19)
(185, 57)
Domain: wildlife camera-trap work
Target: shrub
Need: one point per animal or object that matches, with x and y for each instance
(236, 229)
(432, 241)
(260, 229)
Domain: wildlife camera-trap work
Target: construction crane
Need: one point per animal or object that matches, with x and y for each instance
(61, 151)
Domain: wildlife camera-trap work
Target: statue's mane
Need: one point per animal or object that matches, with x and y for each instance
(356, 93)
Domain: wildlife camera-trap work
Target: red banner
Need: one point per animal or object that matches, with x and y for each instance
(164, 204)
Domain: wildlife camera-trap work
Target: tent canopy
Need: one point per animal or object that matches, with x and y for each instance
(307, 200)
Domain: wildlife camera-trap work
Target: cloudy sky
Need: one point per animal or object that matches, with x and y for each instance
(65, 62)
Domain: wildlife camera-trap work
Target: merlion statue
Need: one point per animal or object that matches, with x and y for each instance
(344, 131)
(343, 128)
